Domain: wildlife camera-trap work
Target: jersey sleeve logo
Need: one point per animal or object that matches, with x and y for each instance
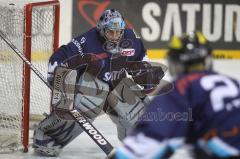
(83, 40)
(79, 44)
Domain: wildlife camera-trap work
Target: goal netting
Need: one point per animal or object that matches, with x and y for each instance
(33, 29)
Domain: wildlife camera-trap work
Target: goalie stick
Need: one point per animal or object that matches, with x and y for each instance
(87, 126)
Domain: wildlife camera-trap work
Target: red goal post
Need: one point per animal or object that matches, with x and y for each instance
(28, 9)
(33, 27)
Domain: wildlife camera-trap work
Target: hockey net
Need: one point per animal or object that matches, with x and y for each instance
(33, 28)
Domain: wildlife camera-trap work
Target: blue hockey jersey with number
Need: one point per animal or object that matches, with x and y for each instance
(92, 43)
(203, 108)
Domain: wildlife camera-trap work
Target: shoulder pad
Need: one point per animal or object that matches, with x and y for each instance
(131, 33)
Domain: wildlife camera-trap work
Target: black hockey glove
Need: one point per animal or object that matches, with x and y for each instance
(145, 74)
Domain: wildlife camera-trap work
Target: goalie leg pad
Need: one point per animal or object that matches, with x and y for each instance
(126, 104)
(87, 94)
(91, 95)
(53, 133)
(45, 145)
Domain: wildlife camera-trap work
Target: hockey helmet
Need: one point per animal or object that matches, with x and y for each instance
(189, 53)
(111, 25)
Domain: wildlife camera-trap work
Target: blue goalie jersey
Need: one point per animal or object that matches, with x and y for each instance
(203, 109)
(91, 42)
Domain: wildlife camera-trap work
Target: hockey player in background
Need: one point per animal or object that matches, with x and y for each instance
(214, 101)
(109, 47)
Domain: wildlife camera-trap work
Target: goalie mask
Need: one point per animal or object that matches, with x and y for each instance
(111, 25)
(189, 53)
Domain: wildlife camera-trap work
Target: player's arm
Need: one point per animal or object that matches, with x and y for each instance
(143, 56)
(145, 73)
(157, 134)
(62, 54)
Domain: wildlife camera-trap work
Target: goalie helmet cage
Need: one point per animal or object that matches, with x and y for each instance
(34, 28)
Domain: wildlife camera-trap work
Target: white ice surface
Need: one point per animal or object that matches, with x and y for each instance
(81, 148)
(84, 148)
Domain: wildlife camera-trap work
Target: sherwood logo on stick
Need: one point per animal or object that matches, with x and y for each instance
(91, 130)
